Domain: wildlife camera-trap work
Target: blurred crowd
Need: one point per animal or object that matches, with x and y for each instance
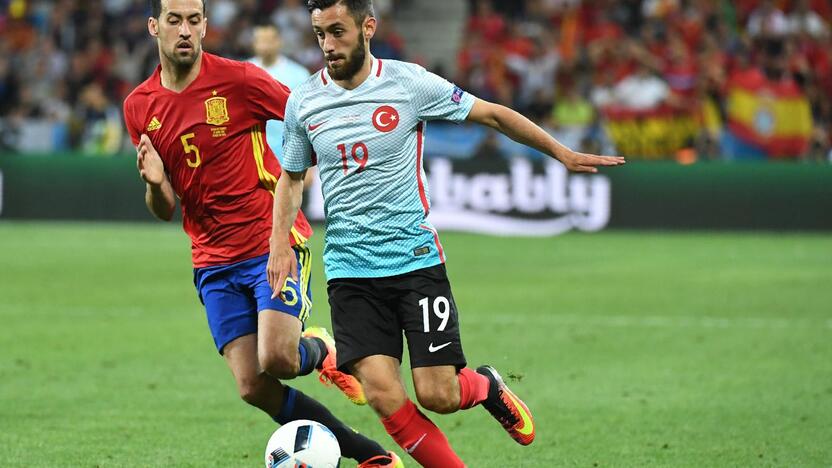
(572, 63)
(66, 65)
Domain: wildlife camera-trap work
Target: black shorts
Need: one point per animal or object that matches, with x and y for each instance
(370, 314)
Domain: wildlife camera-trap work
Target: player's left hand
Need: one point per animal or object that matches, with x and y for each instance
(582, 162)
(282, 265)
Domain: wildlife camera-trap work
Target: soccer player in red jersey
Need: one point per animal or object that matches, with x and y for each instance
(198, 123)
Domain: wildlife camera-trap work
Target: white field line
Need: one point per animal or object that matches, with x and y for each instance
(616, 321)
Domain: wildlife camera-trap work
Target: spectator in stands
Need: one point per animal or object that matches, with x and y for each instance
(536, 73)
(536, 19)
(803, 20)
(267, 45)
(767, 21)
(679, 70)
(487, 22)
(292, 18)
(222, 13)
(642, 90)
(100, 122)
(514, 52)
(572, 117)
(603, 90)
(481, 69)
(58, 113)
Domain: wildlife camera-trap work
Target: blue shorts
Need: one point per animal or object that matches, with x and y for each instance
(234, 294)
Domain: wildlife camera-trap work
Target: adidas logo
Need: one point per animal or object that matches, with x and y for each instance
(154, 124)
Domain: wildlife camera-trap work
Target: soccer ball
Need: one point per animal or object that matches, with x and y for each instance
(303, 443)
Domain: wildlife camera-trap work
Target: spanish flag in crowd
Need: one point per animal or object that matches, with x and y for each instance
(773, 116)
(653, 133)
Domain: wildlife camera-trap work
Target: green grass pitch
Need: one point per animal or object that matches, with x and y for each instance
(631, 348)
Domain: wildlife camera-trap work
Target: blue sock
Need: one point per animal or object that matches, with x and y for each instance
(304, 359)
(312, 354)
(288, 407)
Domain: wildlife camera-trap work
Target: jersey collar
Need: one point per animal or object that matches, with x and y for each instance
(376, 66)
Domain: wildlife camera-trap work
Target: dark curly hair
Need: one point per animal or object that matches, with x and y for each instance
(359, 9)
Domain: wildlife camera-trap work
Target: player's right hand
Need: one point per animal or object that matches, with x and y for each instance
(150, 165)
(582, 162)
(282, 265)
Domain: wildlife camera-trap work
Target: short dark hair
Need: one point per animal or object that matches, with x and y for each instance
(359, 9)
(156, 7)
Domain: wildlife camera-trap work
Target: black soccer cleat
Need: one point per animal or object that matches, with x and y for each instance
(507, 409)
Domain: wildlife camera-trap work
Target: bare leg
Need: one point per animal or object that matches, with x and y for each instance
(437, 388)
(409, 427)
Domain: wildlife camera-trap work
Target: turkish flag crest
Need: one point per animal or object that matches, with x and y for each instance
(386, 119)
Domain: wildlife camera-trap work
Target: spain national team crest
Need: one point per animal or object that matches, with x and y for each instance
(216, 110)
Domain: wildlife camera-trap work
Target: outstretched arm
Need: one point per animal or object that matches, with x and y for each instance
(282, 261)
(522, 130)
(159, 197)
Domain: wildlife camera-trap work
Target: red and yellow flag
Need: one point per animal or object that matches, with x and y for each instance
(772, 115)
(650, 134)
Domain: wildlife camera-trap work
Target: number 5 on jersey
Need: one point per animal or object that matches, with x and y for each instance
(189, 148)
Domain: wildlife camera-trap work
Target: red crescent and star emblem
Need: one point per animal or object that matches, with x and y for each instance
(386, 119)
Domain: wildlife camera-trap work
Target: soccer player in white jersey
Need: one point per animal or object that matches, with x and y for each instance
(362, 121)
(267, 43)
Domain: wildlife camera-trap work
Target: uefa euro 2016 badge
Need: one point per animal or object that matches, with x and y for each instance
(216, 110)
(456, 98)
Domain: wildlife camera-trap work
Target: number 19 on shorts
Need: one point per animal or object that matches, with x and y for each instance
(441, 308)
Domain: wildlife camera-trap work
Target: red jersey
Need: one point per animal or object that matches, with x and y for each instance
(212, 142)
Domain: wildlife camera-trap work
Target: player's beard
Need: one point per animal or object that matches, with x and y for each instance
(183, 62)
(352, 64)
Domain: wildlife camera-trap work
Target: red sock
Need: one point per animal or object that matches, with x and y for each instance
(473, 388)
(415, 433)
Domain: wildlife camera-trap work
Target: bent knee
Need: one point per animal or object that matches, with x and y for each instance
(439, 400)
(385, 400)
(281, 365)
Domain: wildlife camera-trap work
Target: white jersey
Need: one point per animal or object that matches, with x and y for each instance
(291, 74)
(368, 145)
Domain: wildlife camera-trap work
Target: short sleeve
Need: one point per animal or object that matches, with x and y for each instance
(266, 97)
(129, 123)
(297, 149)
(437, 98)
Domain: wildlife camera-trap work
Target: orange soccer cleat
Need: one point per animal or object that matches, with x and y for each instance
(381, 462)
(507, 409)
(329, 373)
